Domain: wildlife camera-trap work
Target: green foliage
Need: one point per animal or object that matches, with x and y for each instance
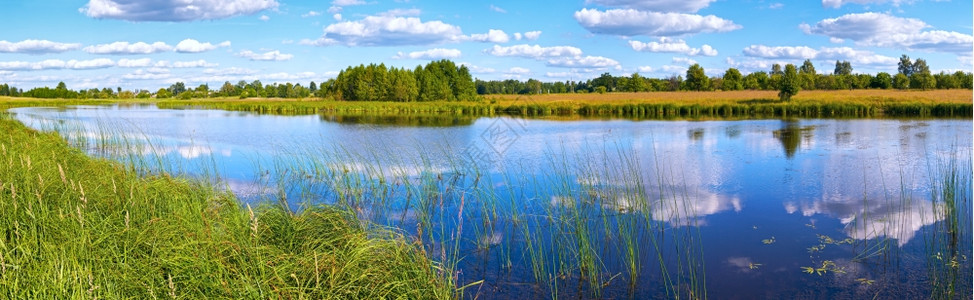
(697, 79)
(790, 83)
(900, 81)
(842, 68)
(882, 81)
(732, 80)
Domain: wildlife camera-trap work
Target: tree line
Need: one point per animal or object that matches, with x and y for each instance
(443, 80)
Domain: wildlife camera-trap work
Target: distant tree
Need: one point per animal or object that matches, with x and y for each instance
(807, 74)
(163, 94)
(177, 88)
(790, 83)
(636, 83)
(900, 81)
(807, 67)
(905, 66)
(756, 81)
(842, 68)
(733, 81)
(921, 77)
(776, 70)
(882, 81)
(697, 79)
(606, 80)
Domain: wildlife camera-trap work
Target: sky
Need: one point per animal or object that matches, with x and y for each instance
(148, 44)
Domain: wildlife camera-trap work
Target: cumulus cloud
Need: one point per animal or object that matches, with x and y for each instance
(229, 71)
(532, 35)
(37, 47)
(477, 69)
(390, 29)
(55, 64)
(141, 74)
(311, 14)
(883, 30)
(194, 46)
(840, 3)
(266, 56)
(432, 54)
(645, 69)
(174, 11)
(588, 62)
(125, 48)
(684, 61)
(656, 5)
(669, 45)
(824, 53)
(631, 22)
(192, 64)
(535, 51)
(264, 18)
(134, 63)
(493, 36)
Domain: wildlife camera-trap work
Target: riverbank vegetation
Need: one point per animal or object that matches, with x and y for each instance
(79, 227)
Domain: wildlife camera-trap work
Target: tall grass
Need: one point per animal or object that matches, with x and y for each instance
(80, 227)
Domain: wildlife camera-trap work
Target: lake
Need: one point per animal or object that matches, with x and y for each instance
(540, 208)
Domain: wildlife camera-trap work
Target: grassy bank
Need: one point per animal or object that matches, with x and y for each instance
(657, 105)
(78, 227)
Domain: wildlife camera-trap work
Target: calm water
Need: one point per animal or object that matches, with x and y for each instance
(598, 208)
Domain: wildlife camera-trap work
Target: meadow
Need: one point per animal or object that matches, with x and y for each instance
(74, 226)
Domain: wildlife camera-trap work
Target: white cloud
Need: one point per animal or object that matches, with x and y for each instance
(645, 69)
(776, 6)
(194, 46)
(684, 60)
(282, 76)
(631, 22)
(191, 64)
(399, 12)
(656, 5)
(532, 35)
(229, 71)
(478, 70)
(125, 48)
(37, 47)
(883, 30)
(518, 70)
(311, 14)
(497, 9)
(264, 18)
(432, 54)
(174, 11)
(535, 51)
(134, 63)
(387, 30)
(266, 56)
(840, 3)
(347, 2)
(55, 64)
(518, 36)
(674, 69)
(493, 36)
(669, 45)
(591, 62)
(141, 74)
(337, 17)
(799, 52)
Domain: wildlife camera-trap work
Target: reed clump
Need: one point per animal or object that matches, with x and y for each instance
(79, 227)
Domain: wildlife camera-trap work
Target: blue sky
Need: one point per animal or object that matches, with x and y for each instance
(142, 44)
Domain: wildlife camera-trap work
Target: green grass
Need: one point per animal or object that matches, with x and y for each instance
(73, 226)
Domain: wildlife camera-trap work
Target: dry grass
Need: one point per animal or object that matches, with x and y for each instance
(684, 97)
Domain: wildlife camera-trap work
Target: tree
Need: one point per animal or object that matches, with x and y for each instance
(635, 83)
(920, 76)
(177, 88)
(882, 81)
(776, 70)
(842, 68)
(807, 67)
(697, 79)
(905, 66)
(807, 73)
(900, 81)
(163, 93)
(790, 83)
(733, 81)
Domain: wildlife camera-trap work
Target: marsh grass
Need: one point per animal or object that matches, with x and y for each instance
(80, 227)
(656, 105)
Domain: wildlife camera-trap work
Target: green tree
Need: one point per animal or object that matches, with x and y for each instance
(882, 81)
(900, 81)
(842, 68)
(790, 83)
(163, 93)
(636, 83)
(697, 79)
(733, 81)
(905, 66)
(921, 77)
(807, 74)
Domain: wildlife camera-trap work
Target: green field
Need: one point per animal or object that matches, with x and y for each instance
(79, 227)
